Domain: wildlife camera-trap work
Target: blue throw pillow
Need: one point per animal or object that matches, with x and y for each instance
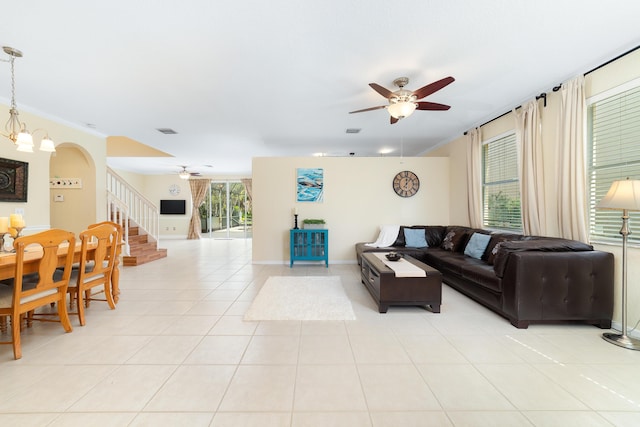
(476, 245)
(415, 238)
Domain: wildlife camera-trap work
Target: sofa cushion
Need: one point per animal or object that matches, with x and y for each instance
(433, 234)
(400, 242)
(449, 262)
(494, 244)
(481, 274)
(542, 244)
(455, 239)
(415, 238)
(476, 245)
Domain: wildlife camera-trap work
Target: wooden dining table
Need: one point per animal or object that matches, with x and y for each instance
(8, 264)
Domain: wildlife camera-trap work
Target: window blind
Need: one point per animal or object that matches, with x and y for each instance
(614, 135)
(501, 188)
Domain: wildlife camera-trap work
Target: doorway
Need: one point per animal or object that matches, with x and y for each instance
(225, 212)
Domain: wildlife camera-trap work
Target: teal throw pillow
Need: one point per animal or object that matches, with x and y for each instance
(415, 238)
(476, 245)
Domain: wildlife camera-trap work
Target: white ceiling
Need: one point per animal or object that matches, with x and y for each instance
(239, 79)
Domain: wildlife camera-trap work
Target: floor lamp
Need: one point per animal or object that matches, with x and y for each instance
(623, 195)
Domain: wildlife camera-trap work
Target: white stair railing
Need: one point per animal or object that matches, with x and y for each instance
(125, 203)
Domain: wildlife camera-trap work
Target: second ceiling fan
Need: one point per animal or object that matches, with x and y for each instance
(402, 102)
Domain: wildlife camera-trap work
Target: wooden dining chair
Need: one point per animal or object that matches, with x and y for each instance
(39, 253)
(115, 274)
(94, 272)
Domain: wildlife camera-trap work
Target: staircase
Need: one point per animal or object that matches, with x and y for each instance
(141, 249)
(139, 219)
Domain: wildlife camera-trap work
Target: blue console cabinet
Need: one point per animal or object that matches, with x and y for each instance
(309, 245)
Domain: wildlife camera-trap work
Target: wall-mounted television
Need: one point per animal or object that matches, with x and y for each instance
(173, 207)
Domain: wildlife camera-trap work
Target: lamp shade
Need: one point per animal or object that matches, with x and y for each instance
(402, 109)
(623, 195)
(47, 145)
(24, 138)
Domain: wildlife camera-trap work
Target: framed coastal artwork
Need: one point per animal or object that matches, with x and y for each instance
(309, 184)
(14, 178)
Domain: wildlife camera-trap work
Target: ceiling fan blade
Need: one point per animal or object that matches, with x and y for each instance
(393, 120)
(432, 106)
(368, 109)
(382, 91)
(433, 87)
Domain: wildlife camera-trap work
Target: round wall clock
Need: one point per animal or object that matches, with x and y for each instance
(406, 184)
(174, 189)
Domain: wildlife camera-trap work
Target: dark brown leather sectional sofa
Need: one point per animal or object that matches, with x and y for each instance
(527, 279)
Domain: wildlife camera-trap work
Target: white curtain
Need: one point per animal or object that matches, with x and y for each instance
(572, 175)
(474, 177)
(529, 140)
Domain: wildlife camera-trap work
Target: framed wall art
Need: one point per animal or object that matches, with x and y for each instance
(309, 184)
(14, 179)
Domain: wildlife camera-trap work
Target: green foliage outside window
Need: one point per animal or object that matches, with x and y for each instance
(503, 211)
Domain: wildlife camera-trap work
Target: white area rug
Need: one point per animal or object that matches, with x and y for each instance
(301, 298)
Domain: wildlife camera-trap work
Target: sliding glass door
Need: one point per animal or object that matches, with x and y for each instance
(225, 212)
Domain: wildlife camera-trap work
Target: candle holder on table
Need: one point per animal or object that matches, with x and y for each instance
(295, 221)
(2, 249)
(18, 231)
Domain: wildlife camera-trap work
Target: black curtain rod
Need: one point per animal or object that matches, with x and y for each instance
(543, 95)
(612, 60)
(557, 88)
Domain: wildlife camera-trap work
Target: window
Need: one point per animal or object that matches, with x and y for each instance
(500, 185)
(614, 154)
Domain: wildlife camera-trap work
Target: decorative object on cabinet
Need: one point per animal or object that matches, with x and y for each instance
(313, 224)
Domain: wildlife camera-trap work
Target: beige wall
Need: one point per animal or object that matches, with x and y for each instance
(615, 74)
(77, 208)
(37, 209)
(156, 188)
(358, 198)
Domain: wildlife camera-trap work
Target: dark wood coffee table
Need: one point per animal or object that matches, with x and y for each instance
(387, 289)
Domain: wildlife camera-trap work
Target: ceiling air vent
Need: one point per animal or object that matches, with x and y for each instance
(167, 131)
(353, 130)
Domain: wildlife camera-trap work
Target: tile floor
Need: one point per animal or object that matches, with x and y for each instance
(176, 352)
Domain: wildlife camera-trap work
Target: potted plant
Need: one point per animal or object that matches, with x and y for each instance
(313, 224)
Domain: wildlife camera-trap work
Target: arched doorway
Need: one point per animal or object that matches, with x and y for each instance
(73, 206)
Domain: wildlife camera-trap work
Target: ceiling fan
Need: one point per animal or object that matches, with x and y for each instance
(402, 102)
(185, 174)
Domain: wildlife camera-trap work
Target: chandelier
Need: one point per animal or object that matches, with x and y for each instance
(17, 131)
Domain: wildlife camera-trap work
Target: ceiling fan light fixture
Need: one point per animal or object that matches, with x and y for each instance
(401, 109)
(184, 174)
